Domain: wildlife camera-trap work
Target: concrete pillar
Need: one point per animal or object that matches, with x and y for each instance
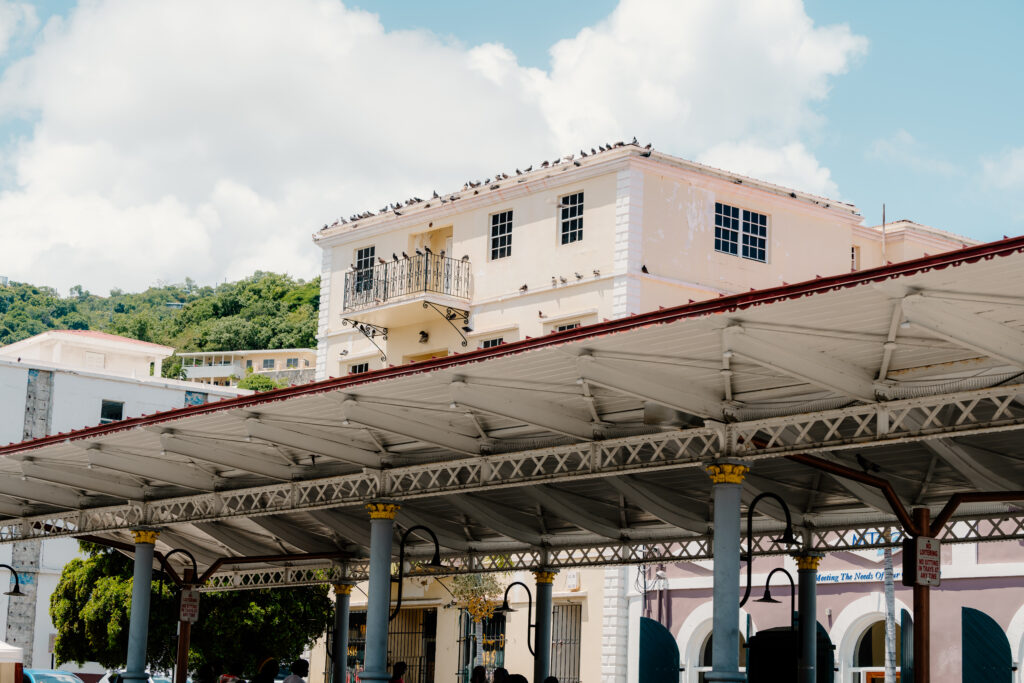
(378, 595)
(542, 633)
(342, 595)
(138, 626)
(727, 483)
(807, 576)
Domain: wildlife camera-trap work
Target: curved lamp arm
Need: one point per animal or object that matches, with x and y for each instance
(529, 611)
(195, 567)
(787, 535)
(792, 594)
(16, 591)
(434, 562)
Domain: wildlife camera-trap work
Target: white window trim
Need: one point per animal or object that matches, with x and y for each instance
(490, 234)
(740, 233)
(558, 217)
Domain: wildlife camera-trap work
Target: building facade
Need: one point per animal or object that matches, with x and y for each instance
(43, 392)
(225, 368)
(571, 243)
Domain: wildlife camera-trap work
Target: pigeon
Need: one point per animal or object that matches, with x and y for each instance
(528, 168)
(523, 288)
(583, 154)
(596, 271)
(634, 141)
(397, 212)
(352, 266)
(576, 163)
(578, 276)
(518, 172)
(647, 146)
(643, 269)
(435, 195)
(465, 257)
(394, 256)
(540, 314)
(593, 151)
(562, 279)
(418, 252)
(427, 249)
(442, 253)
(382, 261)
(404, 255)
(545, 164)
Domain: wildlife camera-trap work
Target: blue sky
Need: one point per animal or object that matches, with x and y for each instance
(154, 141)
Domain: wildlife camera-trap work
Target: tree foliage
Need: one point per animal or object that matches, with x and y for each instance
(91, 607)
(258, 382)
(263, 311)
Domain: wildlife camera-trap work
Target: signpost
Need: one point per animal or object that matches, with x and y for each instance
(189, 606)
(922, 561)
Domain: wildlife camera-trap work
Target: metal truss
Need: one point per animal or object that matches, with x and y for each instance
(918, 419)
(972, 529)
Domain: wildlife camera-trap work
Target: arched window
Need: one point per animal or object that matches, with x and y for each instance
(869, 656)
(705, 657)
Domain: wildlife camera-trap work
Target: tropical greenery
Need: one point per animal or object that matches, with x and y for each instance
(263, 311)
(236, 630)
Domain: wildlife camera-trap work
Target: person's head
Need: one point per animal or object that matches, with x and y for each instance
(267, 670)
(501, 675)
(517, 678)
(550, 679)
(479, 674)
(300, 667)
(400, 668)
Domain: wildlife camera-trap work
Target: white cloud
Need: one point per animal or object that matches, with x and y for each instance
(209, 139)
(790, 165)
(903, 149)
(16, 18)
(1006, 171)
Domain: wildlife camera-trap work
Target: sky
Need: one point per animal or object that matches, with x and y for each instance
(149, 142)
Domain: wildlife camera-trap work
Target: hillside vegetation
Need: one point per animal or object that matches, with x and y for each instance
(263, 311)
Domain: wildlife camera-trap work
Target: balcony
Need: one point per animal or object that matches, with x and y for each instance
(216, 370)
(427, 276)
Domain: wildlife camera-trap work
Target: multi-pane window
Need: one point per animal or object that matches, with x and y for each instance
(854, 258)
(741, 232)
(268, 363)
(111, 411)
(755, 235)
(727, 228)
(248, 363)
(572, 217)
(491, 343)
(291, 362)
(567, 326)
(501, 234)
(358, 368)
(364, 268)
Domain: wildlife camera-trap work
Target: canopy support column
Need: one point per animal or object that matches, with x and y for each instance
(138, 627)
(807, 575)
(542, 633)
(378, 596)
(342, 596)
(922, 610)
(727, 484)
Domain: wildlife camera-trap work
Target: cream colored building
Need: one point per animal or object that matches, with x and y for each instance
(225, 368)
(91, 350)
(567, 244)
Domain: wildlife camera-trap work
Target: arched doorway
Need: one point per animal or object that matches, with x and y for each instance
(659, 654)
(869, 654)
(705, 657)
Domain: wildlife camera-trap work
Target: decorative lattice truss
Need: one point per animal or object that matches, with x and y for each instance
(918, 419)
(1006, 527)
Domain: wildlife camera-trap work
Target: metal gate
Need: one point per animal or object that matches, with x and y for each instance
(566, 622)
(412, 638)
(987, 657)
(493, 644)
(659, 653)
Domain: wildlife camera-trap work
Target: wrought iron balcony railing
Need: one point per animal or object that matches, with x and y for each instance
(420, 274)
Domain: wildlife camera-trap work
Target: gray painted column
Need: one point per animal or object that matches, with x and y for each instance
(378, 595)
(138, 626)
(342, 595)
(542, 634)
(807, 575)
(727, 484)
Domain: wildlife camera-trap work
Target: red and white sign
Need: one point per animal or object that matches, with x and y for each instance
(928, 561)
(189, 606)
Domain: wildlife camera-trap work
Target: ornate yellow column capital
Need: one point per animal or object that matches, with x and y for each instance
(145, 536)
(544, 576)
(383, 510)
(808, 560)
(726, 472)
(343, 589)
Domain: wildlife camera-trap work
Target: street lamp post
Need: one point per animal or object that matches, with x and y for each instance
(505, 609)
(435, 563)
(16, 591)
(787, 537)
(767, 597)
(184, 627)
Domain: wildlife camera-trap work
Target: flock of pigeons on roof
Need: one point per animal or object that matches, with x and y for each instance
(567, 162)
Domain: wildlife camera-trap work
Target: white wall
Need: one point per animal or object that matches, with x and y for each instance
(13, 383)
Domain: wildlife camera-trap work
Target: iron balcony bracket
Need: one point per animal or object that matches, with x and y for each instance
(451, 315)
(370, 331)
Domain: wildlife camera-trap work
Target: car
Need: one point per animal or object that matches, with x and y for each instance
(48, 676)
(109, 677)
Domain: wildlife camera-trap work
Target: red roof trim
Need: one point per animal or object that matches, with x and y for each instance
(726, 304)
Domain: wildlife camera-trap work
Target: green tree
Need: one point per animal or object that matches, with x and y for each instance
(257, 382)
(92, 603)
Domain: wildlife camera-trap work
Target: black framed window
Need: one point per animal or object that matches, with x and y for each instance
(358, 368)
(727, 228)
(501, 234)
(111, 411)
(571, 218)
(755, 235)
(491, 343)
(364, 268)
